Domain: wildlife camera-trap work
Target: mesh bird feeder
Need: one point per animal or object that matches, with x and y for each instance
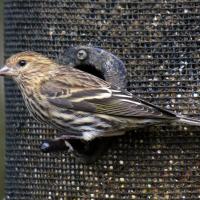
(159, 43)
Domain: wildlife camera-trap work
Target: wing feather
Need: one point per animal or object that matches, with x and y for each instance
(87, 93)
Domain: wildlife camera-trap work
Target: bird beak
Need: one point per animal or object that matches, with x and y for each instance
(6, 71)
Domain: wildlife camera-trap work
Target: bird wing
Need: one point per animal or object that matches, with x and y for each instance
(87, 93)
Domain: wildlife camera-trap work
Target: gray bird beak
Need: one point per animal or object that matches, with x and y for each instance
(6, 71)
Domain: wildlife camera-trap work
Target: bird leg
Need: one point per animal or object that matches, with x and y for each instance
(82, 150)
(61, 143)
(55, 146)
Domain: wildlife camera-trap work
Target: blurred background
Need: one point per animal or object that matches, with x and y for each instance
(2, 142)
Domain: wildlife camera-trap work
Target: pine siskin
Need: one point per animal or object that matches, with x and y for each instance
(78, 104)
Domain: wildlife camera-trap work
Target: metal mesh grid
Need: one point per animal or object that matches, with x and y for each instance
(159, 41)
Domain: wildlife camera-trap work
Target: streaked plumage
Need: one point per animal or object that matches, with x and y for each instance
(79, 104)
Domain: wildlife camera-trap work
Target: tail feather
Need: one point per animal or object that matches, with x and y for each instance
(189, 120)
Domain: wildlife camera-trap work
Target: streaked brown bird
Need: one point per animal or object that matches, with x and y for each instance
(79, 104)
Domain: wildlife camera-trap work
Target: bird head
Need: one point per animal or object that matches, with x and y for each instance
(26, 64)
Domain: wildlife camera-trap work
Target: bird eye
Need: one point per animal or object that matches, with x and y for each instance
(22, 63)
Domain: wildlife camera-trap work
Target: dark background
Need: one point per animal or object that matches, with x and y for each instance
(159, 43)
(2, 122)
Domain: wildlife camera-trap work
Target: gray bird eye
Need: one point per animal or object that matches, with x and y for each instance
(22, 63)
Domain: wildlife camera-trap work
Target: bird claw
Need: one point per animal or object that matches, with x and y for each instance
(55, 146)
(86, 152)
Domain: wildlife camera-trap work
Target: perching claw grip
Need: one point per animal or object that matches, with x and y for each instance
(98, 62)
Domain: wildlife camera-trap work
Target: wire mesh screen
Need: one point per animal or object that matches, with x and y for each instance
(159, 41)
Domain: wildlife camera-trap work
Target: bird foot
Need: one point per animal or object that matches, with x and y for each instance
(55, 146)
(86, 152)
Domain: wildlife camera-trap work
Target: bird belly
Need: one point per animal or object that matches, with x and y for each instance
(88, 126)
(80, 123)
(83, 125)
